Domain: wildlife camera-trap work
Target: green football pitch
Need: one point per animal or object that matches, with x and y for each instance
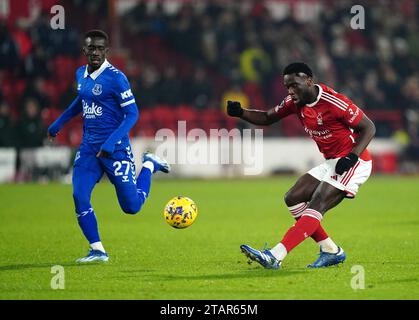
(151, 260)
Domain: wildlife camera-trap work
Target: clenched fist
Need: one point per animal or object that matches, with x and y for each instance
(234, 109)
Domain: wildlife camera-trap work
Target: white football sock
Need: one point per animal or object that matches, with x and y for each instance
(149, 165)
(97, 246)
(279, 251)
(328, 245)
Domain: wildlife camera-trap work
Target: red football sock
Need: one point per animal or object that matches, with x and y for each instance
(297, 210)
(305, 227)
(319, 235)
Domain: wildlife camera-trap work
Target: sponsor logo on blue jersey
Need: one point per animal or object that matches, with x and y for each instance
(127, 94)
(91, 112)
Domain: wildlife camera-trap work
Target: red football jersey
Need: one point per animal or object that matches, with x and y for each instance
(329, 121)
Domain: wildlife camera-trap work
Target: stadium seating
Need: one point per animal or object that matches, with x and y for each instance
(155, 48)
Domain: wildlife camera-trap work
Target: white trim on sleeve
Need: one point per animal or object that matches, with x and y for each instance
(127, 103)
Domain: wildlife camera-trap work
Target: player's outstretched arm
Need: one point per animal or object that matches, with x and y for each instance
(131, 117)
(257, 117)
(74, 109)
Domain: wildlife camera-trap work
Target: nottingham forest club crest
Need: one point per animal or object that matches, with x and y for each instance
(97, 89)
(319, 119)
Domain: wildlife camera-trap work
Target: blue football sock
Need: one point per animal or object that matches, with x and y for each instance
(143, 183)
(88, 224)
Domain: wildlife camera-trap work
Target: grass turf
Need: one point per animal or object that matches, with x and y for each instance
(151, 260)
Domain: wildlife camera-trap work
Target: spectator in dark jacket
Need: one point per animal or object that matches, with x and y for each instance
(7, 133)
(30, 129)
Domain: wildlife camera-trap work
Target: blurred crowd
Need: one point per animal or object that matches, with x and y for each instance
(202, 53)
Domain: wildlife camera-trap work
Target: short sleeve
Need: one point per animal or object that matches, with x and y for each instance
(284, 109)
(352, 115)
(349, 113)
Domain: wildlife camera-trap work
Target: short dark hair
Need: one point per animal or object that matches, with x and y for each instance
(96, 33)
(297, 67)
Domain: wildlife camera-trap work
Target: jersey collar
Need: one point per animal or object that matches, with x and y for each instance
(96, 73)
(318, 97)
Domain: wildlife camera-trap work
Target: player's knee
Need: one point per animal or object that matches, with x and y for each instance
(319, 202)
(131, 208)
(291, 198)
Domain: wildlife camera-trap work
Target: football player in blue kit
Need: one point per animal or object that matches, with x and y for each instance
(109, 111)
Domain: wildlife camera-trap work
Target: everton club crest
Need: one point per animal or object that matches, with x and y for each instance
(97, 89)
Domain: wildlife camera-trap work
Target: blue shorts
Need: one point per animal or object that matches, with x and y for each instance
(120, 169)
(119, 166)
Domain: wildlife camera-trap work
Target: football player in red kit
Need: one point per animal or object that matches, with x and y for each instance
(342, 132)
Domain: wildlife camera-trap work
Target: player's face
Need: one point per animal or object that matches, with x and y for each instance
(299, 88)
(96, 50)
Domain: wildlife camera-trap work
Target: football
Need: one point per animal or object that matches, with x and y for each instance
(180, 212)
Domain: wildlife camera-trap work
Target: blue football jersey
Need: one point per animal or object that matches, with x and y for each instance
(103, 94)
